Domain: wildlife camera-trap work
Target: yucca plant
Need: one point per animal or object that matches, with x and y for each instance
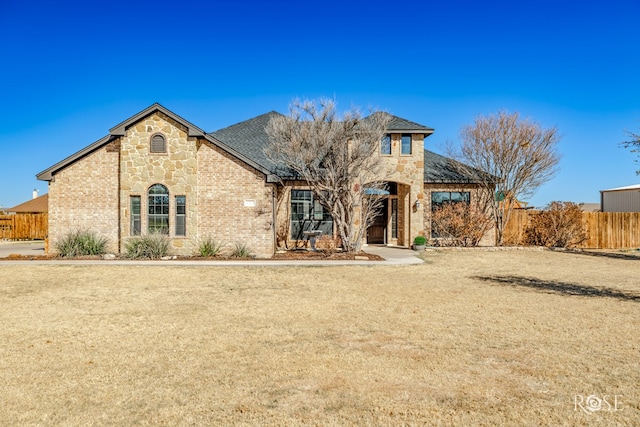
(80, 243)
(148, 246)
(240, 250)
(209, 247)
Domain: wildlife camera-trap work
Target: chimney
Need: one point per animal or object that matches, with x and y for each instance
(35, 193)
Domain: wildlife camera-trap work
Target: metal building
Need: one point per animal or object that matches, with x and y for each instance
(621, 199)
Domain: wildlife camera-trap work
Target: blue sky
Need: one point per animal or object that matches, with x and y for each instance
(71, 70)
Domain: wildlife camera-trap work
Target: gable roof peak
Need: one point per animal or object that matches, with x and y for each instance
(120, 128)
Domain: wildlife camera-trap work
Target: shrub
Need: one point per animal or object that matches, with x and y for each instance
(559, 225)
(209, 247)
(152, 245)
(420, 240)
(81, 242)
(459, 224)
(240, 250)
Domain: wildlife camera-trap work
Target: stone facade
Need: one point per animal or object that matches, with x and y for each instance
(407, 170)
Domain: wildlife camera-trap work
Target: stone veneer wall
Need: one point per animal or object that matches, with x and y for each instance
(85, 196)
(176, 169)
(234, 201)
(408, 169)
(473, 189)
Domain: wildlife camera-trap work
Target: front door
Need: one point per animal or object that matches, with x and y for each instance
(376, 233)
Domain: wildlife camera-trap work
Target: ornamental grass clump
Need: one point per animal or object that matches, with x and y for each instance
(149, 246)
(240, 250)
(81, 243)
(209, 247)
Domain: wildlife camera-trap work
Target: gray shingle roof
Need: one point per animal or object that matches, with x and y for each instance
(249, 138)
(443, 170)
(399, 124)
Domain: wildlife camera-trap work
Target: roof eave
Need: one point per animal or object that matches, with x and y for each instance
(423, 131)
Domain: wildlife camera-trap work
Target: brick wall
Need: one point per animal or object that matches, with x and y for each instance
(85, 196)
(234, 201)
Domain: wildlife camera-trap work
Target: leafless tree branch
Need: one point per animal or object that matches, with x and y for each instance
(338, 157)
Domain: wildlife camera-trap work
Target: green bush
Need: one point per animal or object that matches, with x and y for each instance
(420, 241)
(81, 242)
(209, 247)
(149, 246)
(240, 250)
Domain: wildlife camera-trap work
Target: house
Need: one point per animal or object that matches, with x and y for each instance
(156, 171)
(621, 199)
(38, 204)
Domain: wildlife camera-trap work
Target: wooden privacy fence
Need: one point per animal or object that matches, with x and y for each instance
(606, 230)
(24, 226)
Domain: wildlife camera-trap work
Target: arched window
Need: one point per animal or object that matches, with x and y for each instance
(158, 144)
(158, 209)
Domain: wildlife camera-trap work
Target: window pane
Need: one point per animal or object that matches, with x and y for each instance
(438, 198)
(385, 146)
(135, 216)
(307, 214)
(406, 144)
(394, 218)
(158, 209)
(181, 210)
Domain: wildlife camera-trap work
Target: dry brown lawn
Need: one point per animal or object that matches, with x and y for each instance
(468, 338)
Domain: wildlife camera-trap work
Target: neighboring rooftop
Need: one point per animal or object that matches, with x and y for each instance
(628, 187)
(39, 204)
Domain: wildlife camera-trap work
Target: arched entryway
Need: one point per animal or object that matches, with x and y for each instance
(391, 221)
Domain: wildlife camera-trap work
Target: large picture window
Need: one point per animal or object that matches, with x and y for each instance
(439, 198)
(307, 214)
(158, 209)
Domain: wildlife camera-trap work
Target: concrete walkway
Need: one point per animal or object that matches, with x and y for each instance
(392, 256)
(30, 247)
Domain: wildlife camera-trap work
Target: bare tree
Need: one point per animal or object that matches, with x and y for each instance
(339, 159)
(633, 144)
(516, 157)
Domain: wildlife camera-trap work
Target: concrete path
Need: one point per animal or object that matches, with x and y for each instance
(30, 247)
(392, 256)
